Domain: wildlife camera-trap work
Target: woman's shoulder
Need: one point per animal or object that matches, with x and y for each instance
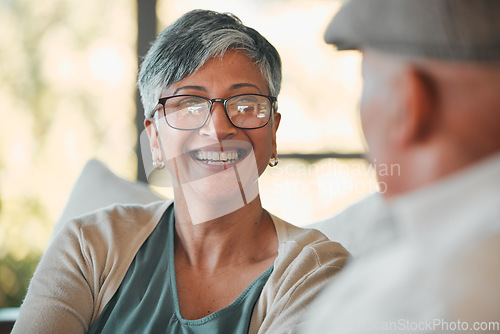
(116, 223)
(306, 244)
(121, 215)
(88, 257)
(306, 262)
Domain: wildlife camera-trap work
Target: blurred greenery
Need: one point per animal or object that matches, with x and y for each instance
(14, 278)
(62, 65)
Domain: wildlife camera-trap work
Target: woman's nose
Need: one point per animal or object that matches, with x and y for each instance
(218, 125)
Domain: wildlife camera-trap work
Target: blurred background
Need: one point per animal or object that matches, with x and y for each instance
(68, 94)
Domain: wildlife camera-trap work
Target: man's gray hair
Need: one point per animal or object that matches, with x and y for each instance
(192, 40)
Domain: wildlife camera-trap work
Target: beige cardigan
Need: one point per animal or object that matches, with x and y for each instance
(86, 262)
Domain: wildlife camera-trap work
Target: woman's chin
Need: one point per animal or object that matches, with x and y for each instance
(210, 199)
(226, 186)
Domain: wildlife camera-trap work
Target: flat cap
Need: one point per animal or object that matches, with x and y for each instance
(466, 30)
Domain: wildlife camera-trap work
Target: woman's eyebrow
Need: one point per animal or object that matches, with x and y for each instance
(200, 88)
(241, 85)
(203, 89)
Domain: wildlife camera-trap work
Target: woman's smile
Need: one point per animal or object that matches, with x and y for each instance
(216, 158)
(226, 154)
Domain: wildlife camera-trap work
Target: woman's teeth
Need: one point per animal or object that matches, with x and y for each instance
(217, 158)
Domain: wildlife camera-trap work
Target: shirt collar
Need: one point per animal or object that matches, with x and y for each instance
(465, 194)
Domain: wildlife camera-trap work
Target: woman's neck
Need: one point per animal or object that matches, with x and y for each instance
(243, 236)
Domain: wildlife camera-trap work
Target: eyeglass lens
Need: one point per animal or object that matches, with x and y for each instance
(191, 112)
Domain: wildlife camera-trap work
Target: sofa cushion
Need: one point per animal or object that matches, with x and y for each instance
(352, 226)
(98, 187)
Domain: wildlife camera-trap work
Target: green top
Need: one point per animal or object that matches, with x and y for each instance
(147, 302)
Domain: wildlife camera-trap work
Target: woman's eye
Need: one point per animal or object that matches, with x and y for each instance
(194, 110)
(187, 103)
(193, 107)
(245, 108)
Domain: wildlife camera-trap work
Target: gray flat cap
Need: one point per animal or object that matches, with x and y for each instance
(447, 29)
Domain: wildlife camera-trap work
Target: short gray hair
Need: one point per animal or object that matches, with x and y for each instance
(192, 40)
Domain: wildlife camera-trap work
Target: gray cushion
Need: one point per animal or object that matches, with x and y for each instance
(98, 187)
(353, 226)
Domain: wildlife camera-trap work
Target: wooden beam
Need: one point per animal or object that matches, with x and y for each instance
(146, 33)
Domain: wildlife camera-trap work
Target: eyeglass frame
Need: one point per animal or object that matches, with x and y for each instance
(272, 99)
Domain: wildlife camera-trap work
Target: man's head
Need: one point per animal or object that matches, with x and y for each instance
(431, 92)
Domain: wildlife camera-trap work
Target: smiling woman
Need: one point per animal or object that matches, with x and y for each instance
(212, 260)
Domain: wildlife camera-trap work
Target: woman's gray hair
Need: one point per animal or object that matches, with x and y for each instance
(192, 40)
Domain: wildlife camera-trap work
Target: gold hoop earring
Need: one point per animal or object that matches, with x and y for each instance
(273, 161)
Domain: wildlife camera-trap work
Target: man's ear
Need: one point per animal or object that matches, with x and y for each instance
(154, 140)
(418, 113)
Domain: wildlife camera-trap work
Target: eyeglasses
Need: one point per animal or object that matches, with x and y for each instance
(190, 112)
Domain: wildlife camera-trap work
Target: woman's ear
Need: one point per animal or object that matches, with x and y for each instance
(275, 125)
(154, 140)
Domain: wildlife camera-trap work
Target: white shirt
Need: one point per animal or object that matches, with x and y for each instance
(440, 272)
